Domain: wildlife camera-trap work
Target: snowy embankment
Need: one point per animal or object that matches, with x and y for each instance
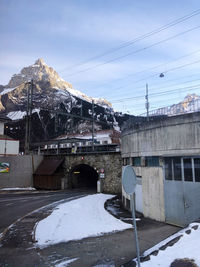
(77, 219)
(186, 247)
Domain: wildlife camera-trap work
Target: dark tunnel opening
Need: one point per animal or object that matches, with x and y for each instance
(84, 176)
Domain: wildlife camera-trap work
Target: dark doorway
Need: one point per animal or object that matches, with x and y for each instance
(84, 176)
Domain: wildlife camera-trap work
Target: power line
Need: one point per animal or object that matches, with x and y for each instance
(158, 87)
(144, 36)
(158, 94)
(135, 52)
(156, 75)
(136, 108)
(151, 68)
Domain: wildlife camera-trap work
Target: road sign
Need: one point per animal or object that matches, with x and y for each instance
(102, 175)
(129, 180)
(101, 170)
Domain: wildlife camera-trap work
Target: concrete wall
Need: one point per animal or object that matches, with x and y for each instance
(171, 136)
(111, 163)
(21, 170)
(9, 147)
(178, 135)
(149, 195)
(153, 193)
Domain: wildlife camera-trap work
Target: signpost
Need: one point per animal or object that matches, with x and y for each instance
(129, 182)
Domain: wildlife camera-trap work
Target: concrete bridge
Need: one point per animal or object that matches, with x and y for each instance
(84, 171)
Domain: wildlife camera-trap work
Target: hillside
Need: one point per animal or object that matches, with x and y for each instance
(57, 107)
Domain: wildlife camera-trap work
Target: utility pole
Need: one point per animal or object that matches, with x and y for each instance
(28, 116)
(92, 125)
(81, 108)
(147, 101)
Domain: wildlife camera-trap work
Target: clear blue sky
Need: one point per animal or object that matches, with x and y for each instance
(66, 33)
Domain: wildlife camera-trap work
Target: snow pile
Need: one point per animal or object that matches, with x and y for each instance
(77, 219)
(18, 188)
(65, 263)
(186, 247)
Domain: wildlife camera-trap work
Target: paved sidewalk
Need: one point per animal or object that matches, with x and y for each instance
(18, 247)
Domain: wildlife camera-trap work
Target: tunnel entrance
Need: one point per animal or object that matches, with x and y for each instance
(84, 176)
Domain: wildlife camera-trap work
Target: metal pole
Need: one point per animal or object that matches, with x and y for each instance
(30, 112)
(135, 229)
(81, 108)
(92, 125)
(27, 123)
(147, 101)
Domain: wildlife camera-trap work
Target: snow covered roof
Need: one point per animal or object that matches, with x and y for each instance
(88, 135)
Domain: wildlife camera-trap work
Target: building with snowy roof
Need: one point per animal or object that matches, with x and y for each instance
(102, 137)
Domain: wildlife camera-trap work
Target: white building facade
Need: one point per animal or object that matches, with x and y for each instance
(8, 146)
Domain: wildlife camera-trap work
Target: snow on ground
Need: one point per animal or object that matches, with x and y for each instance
(65, 263)
(186, 247)
(77, 219)
(18, 188)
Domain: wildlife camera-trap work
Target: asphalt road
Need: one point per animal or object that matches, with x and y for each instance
(18, 247)
(14, 206)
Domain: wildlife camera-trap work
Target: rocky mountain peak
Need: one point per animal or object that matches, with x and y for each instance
(49, 90)
(190, 97)
(39, 71)
(40, 61)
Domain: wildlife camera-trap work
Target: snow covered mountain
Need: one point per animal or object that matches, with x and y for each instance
(58, 108)
(191, 103)
(49, 90)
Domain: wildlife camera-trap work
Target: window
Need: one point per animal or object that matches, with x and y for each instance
(177, 169)
(173, 169)
(152, 161)
(187, 165)
(197, 169)
(136, 161)
(168, 169)
(126, 161)
(182, 168)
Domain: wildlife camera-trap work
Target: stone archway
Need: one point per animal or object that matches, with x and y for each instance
(110, 162)
(83, 175)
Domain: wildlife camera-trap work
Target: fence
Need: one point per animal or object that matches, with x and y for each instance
(177, 109)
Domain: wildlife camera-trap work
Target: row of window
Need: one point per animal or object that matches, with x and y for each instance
(176, 168)
(182, 168)
(144, 161)
(84, 143)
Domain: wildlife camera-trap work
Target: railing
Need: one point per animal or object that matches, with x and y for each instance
(79, 150)
(177, 109)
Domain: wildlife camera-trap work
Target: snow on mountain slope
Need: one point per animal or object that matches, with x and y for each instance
(47, 84)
